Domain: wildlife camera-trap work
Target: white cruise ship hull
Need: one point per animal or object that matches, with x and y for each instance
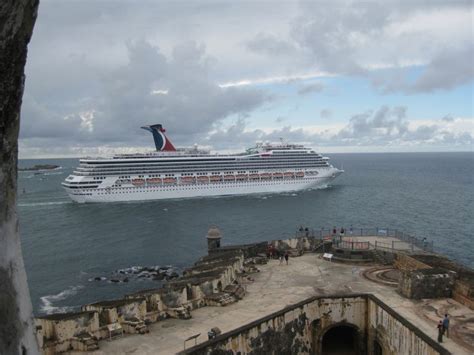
(181, 191)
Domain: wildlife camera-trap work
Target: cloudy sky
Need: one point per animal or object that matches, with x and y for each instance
(341, 76)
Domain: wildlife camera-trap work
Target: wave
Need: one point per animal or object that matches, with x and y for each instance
(50, 203)
(48, 300)
(55, 173)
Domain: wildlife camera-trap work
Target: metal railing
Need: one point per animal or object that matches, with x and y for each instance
(351, 245)
(405, 242)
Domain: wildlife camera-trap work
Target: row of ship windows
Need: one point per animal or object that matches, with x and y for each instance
(210, 168)
(175, 187)
(223, 160)
(223, 164)
(190, 174)
(199, 185)
(223, 171)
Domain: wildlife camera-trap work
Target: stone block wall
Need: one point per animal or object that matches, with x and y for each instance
(118, 311)
(464, 292)
(464, 284)
(426, 283)
(394, 334)
(62, 332)
(300, 243)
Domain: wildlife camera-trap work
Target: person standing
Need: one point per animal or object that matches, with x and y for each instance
(440, 331)
(280, 254)
(287, 256)
(446, 325)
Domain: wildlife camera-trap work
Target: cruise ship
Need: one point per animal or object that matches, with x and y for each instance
(171, 173)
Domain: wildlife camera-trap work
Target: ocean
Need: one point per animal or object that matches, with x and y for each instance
(73, 251)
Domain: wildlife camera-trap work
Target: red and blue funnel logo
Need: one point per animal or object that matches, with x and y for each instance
(162, 143)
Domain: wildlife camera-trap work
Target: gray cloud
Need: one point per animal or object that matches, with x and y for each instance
(360, 39)
(311, 88)
(192, 105)
(270, 44)
(386, 126)
(447, 70)
(375, 127)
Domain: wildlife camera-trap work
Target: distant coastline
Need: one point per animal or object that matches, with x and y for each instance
(40, 167)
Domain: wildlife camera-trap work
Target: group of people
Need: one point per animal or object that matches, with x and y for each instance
(443, 328)
(342, 231)
(272, 253)
(305, 230)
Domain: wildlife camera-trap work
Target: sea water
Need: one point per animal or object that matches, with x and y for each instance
(66, 245)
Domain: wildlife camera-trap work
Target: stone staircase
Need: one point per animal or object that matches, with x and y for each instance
(85, 342)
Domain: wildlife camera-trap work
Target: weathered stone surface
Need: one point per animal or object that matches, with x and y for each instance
(301, 329)
(426, 283)
(17, 18)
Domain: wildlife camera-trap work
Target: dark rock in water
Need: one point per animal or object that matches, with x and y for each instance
(122, 272)
(99, 278)
(172, 275)
(136, 269)
(125, 279)
(114, 280)
(164, 268)
(158, 277)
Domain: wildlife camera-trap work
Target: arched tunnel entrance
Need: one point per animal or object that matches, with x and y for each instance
(340, 340)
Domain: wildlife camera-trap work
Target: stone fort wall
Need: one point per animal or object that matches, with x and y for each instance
(300, 329)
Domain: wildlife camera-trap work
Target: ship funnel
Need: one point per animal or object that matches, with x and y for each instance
(162, 143)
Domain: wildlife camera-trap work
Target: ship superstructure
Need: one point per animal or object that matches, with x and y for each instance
(170, 173)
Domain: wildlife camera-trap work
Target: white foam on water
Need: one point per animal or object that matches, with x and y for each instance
(48, 300)
(55, 173)
(50, 203)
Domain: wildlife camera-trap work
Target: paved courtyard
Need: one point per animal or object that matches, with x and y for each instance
(277, 286)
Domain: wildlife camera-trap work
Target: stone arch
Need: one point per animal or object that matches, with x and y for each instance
(377, 343)
(337, 337)
(377, 348)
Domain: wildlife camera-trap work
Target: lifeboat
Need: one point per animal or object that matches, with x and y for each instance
(300, 174)
(169, 180)
(254, 176)
(187, 180)
(265, 176)
(216, 178)
(242, 177)
(289, 175)
(138, 182)
(203, 179)
(153, 181)
(229, 177)
(278, 175)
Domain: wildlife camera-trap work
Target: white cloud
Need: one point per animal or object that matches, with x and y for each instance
(276, 79)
